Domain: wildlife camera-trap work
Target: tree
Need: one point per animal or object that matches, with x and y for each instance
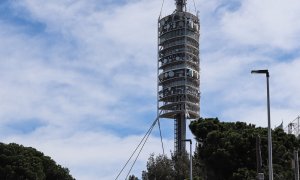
(163, 168)
(228, 150)
(132, 177)
(18, 162)
(181, 166)
(159, 168)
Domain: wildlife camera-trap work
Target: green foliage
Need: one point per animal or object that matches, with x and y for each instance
(244, 173)
(181, 166)
(18, 163)
(228, 150)
(163, 168)
(159, 168)
(132, 177)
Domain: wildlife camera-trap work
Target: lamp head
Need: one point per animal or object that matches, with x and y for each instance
(264, 71)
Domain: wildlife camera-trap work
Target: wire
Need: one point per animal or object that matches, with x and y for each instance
(161, 139)
(145, 136)
(161, 8)
(133, 153)
(195, 7)
(139, 152)
(145, 143)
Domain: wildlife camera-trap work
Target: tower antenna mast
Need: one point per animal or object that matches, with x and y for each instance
(180, 5)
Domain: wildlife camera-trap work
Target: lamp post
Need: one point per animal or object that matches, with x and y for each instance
(296, 163)
(191, 158)
(265, 71)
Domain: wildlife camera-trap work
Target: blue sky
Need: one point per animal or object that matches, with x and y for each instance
(77, 78)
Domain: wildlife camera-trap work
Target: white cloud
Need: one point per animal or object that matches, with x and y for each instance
(89, 74)
(253, 35)
(89, 154)
(77, 74)
(264, 23)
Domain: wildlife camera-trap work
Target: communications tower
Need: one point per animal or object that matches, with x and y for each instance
(178, 70)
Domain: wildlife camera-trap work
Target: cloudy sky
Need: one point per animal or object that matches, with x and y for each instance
(77, 78)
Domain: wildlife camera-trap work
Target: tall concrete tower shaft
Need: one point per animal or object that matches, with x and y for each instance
(178, 70)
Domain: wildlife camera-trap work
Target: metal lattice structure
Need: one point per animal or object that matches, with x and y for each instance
(178, 69)
(294, 127)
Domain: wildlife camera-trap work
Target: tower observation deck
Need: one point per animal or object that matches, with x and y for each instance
(178, 70)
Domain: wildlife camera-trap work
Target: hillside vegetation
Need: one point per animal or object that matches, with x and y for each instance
(227, 151)
(25, 163)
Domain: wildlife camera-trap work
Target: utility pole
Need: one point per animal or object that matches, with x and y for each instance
(260, 175)
(270, 157)
(296, 162)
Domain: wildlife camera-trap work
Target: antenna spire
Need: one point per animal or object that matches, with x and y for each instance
(180, 4)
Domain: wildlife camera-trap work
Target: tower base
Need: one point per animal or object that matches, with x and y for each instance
(180, 133)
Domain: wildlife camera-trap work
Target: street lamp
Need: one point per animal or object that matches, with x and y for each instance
(265, 71)
(191, 158)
